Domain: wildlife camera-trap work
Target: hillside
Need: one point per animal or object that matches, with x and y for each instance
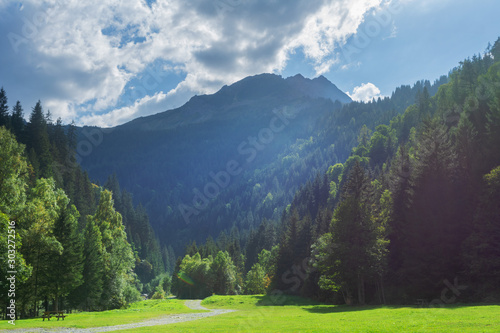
(276, 133)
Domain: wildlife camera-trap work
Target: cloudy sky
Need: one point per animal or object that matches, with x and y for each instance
(104, 62)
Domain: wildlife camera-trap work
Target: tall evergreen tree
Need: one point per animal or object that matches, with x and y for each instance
(39, 140)
(4, 109)
(433, 234)
(93, 273)
(66, 274)
(17, 122)
(348, 257)
(482, 248)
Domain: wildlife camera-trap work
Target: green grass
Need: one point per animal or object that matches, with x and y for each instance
(137, 312)
(294, 314)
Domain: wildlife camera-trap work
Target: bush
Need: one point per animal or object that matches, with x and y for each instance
(166, 284)
(159, 293)
(131, 294)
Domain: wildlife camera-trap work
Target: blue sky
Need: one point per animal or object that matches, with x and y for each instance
(105, 62)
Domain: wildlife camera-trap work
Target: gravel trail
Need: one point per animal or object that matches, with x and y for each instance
(170, 319)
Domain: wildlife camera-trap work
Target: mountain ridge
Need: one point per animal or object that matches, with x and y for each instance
(202, 108)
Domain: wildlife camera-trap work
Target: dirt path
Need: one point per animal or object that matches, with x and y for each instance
(170, 319)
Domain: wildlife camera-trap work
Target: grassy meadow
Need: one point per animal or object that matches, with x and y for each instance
(259, 314)
(293, 314)
(137, 312)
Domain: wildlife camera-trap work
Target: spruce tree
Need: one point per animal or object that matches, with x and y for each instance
(17, 122)
(433, 227)
(39, 140)
(68, 265)
(4, 109)
(482, 248)
(349, 256)
(93, 267)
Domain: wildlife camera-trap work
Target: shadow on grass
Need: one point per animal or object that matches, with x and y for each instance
(284, 300)
(351, 308)
(313, 306)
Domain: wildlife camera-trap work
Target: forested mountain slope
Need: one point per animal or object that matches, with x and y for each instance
(237, 156)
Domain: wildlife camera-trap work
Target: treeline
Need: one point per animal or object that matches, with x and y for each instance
(218, 267)
(412, 212)
(73, 249)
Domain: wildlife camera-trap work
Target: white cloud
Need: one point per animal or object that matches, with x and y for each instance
(83, 54)
(329, 28)
(139, 108)
(365, 92)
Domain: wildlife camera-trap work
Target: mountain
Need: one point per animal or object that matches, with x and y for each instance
(230, 100)
(235, 157)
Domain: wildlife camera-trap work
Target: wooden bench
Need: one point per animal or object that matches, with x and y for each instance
(60, 314)
(47, 315)
(50, 314)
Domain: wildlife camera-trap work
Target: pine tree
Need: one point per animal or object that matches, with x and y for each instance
(93, 267)
(4, 109)
(17, 122)
(433, 227)
(350, 255)
(493, 116)
(39, 140)
(482, 248)
(66, 274)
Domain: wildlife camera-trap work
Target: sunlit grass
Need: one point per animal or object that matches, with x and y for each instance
(137, 312)
(294, 314)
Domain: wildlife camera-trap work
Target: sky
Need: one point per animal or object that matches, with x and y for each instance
(106, 62)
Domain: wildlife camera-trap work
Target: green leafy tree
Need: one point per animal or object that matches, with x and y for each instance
(39, 243)
(118, 255)
(193, 277)
(12, 260)
(256, 280)
(13, 174)
(159, 292)
(223, 275)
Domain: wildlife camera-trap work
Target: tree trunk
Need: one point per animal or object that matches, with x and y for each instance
(382, 289)
(361, 289)
(347, 296)
(35, 312)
